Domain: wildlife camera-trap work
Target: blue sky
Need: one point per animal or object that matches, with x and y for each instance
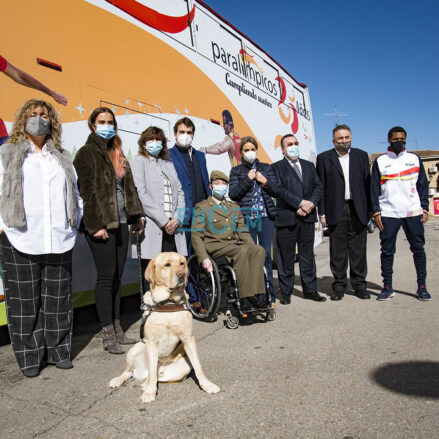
(378, 61)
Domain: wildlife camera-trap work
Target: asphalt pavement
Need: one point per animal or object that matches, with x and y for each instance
(350, 369)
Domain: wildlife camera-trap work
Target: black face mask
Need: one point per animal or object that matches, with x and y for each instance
(397, 147)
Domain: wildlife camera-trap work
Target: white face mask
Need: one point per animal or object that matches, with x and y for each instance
(184, 140)
(249, 156)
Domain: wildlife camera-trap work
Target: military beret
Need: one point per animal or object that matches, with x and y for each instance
(218, 175)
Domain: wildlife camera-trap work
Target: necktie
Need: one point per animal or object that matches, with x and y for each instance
(297, 169)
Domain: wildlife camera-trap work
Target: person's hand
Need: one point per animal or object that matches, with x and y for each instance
(323, 221)
(424, 217)
(378, 222)
(61, 99)
(301, 212)
(101, 234)
(260, 178)
(307, 206)
(207, 264)
(171, 225)
(252, 174)
(139, 226)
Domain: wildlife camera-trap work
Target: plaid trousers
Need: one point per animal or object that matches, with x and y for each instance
(38, 295)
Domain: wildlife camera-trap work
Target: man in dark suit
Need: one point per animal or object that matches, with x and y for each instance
(300, 192)
(190, 165)
(344, 209)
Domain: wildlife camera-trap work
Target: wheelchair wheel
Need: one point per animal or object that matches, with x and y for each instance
(271, 315)
(207, 288)
(232, 322)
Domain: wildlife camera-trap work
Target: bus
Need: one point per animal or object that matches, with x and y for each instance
(152, 62)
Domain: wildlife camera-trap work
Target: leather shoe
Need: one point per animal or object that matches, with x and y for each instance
(337, 295)
(314, 296)
(198, 308)
(285, 300)
(363, 294)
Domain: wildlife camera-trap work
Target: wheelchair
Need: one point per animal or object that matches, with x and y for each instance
(210, 288)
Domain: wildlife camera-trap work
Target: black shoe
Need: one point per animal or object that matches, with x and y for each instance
(65, 364)
(314, 296)
(363, 294)
(285, 299)
(337, 295)
(245, 304)
(31, 372)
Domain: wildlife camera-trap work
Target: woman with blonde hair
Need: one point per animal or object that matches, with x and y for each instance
(161, 195)
(40, 210)
(110, 204)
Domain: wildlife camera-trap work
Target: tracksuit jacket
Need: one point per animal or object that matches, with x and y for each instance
(399, 186)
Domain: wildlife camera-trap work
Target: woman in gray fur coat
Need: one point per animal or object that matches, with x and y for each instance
(161, 195)
(40, 211)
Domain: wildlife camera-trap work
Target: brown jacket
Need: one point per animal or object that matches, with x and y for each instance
(96, 182)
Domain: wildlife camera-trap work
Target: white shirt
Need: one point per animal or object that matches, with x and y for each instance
(47, 229)
(344, 163)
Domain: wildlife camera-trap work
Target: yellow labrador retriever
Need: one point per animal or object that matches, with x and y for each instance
(160, 356)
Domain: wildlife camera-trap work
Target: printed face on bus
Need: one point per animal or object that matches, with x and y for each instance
(228, 126)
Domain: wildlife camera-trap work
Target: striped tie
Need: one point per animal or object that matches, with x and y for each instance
(297, 169)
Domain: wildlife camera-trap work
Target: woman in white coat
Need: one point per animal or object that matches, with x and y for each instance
(162, 197)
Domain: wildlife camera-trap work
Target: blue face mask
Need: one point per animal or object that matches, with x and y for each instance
(153, 147)
(293, 151)
(105, 131)
(219, 190)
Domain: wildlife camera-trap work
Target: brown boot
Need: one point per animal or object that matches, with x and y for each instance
(121, 336)
(110, 341)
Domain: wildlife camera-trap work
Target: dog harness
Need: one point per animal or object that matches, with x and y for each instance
(166, 306)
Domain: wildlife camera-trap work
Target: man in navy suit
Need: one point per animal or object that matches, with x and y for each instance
(300, 192)
(344, 208)
(190, 165)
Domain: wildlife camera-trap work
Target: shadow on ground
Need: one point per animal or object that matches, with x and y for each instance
(414, 378)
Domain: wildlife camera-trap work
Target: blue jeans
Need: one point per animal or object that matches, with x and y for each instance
(261, 230)
(414, 231)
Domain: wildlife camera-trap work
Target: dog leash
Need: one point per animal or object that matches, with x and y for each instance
(143, 306)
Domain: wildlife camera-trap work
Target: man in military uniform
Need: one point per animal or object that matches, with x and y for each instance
(218, 229)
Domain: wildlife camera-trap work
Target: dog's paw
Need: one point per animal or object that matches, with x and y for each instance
(210, 387)
(148, 397)
(115, 383)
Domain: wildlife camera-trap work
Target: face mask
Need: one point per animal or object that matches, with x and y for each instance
(343, 146)
(105, 131)
(184, 140)
(249, 156)
(37, 127)
(154, 147)
(293, 151)
(219, 190)
(397, 147)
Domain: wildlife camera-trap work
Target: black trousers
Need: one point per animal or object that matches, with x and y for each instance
(38, 294)
(109, 256)
(168, 245)
(347, 242)
(301, 234)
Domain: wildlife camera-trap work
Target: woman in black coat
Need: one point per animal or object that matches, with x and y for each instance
(252, 184)
(111, 203)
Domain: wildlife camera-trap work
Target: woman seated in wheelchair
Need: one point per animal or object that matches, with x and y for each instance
(218, 229)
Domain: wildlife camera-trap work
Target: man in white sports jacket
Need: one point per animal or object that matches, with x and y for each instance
(399, 196)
